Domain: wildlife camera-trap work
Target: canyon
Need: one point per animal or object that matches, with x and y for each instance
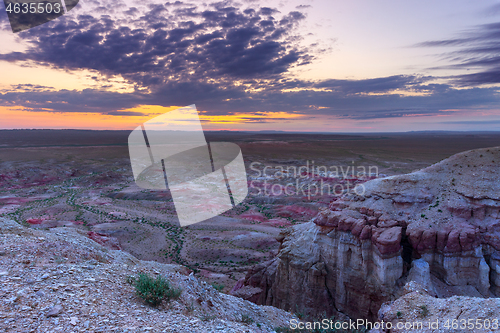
(311, 254)
(438, 226)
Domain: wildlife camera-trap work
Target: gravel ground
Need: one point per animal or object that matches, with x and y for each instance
(58, 280)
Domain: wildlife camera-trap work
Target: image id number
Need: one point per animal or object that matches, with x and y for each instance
(33, 8)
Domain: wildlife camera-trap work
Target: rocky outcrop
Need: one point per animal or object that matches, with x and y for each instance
(418, 312)
(358, 253)
(320, 269)
(106, 241)
(61, 280)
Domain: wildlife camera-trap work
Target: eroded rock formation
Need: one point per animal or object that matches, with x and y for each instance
(418, 312)
(358, 253)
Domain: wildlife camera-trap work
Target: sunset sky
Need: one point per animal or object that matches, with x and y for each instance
(291, 65)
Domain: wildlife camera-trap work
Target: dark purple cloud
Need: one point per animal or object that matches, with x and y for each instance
(171, 42)
(478, 51)
(376, 85)
(88, 100)
(356, 104)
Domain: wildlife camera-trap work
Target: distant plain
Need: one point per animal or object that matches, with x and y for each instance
(82, 179)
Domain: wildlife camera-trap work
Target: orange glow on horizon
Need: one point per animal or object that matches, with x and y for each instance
(18, 117)
(21, 117)
(242, 118)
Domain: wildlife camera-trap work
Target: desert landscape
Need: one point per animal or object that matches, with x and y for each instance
(273, 166)
(341, 236)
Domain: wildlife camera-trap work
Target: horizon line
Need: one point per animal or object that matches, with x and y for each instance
(260, 131)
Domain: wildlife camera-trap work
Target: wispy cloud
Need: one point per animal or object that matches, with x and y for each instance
(479, 51)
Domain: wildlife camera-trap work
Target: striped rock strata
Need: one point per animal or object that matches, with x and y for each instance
(358, 253)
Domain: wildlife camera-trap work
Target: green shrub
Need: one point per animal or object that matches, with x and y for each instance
(154, 290)
(246, 319)
(300, 315)
(217, 286)
(424, 311)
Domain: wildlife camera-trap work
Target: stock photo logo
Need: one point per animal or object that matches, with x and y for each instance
(26, 14)
(204, 179)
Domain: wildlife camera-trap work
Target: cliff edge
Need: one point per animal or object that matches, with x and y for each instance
(60, 280)
(439, 225)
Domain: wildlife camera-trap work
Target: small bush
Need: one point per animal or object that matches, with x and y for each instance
(300, 315)
(246, 319)
(154, 290)
(424, 311)
(190, 307)
(217, 286)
